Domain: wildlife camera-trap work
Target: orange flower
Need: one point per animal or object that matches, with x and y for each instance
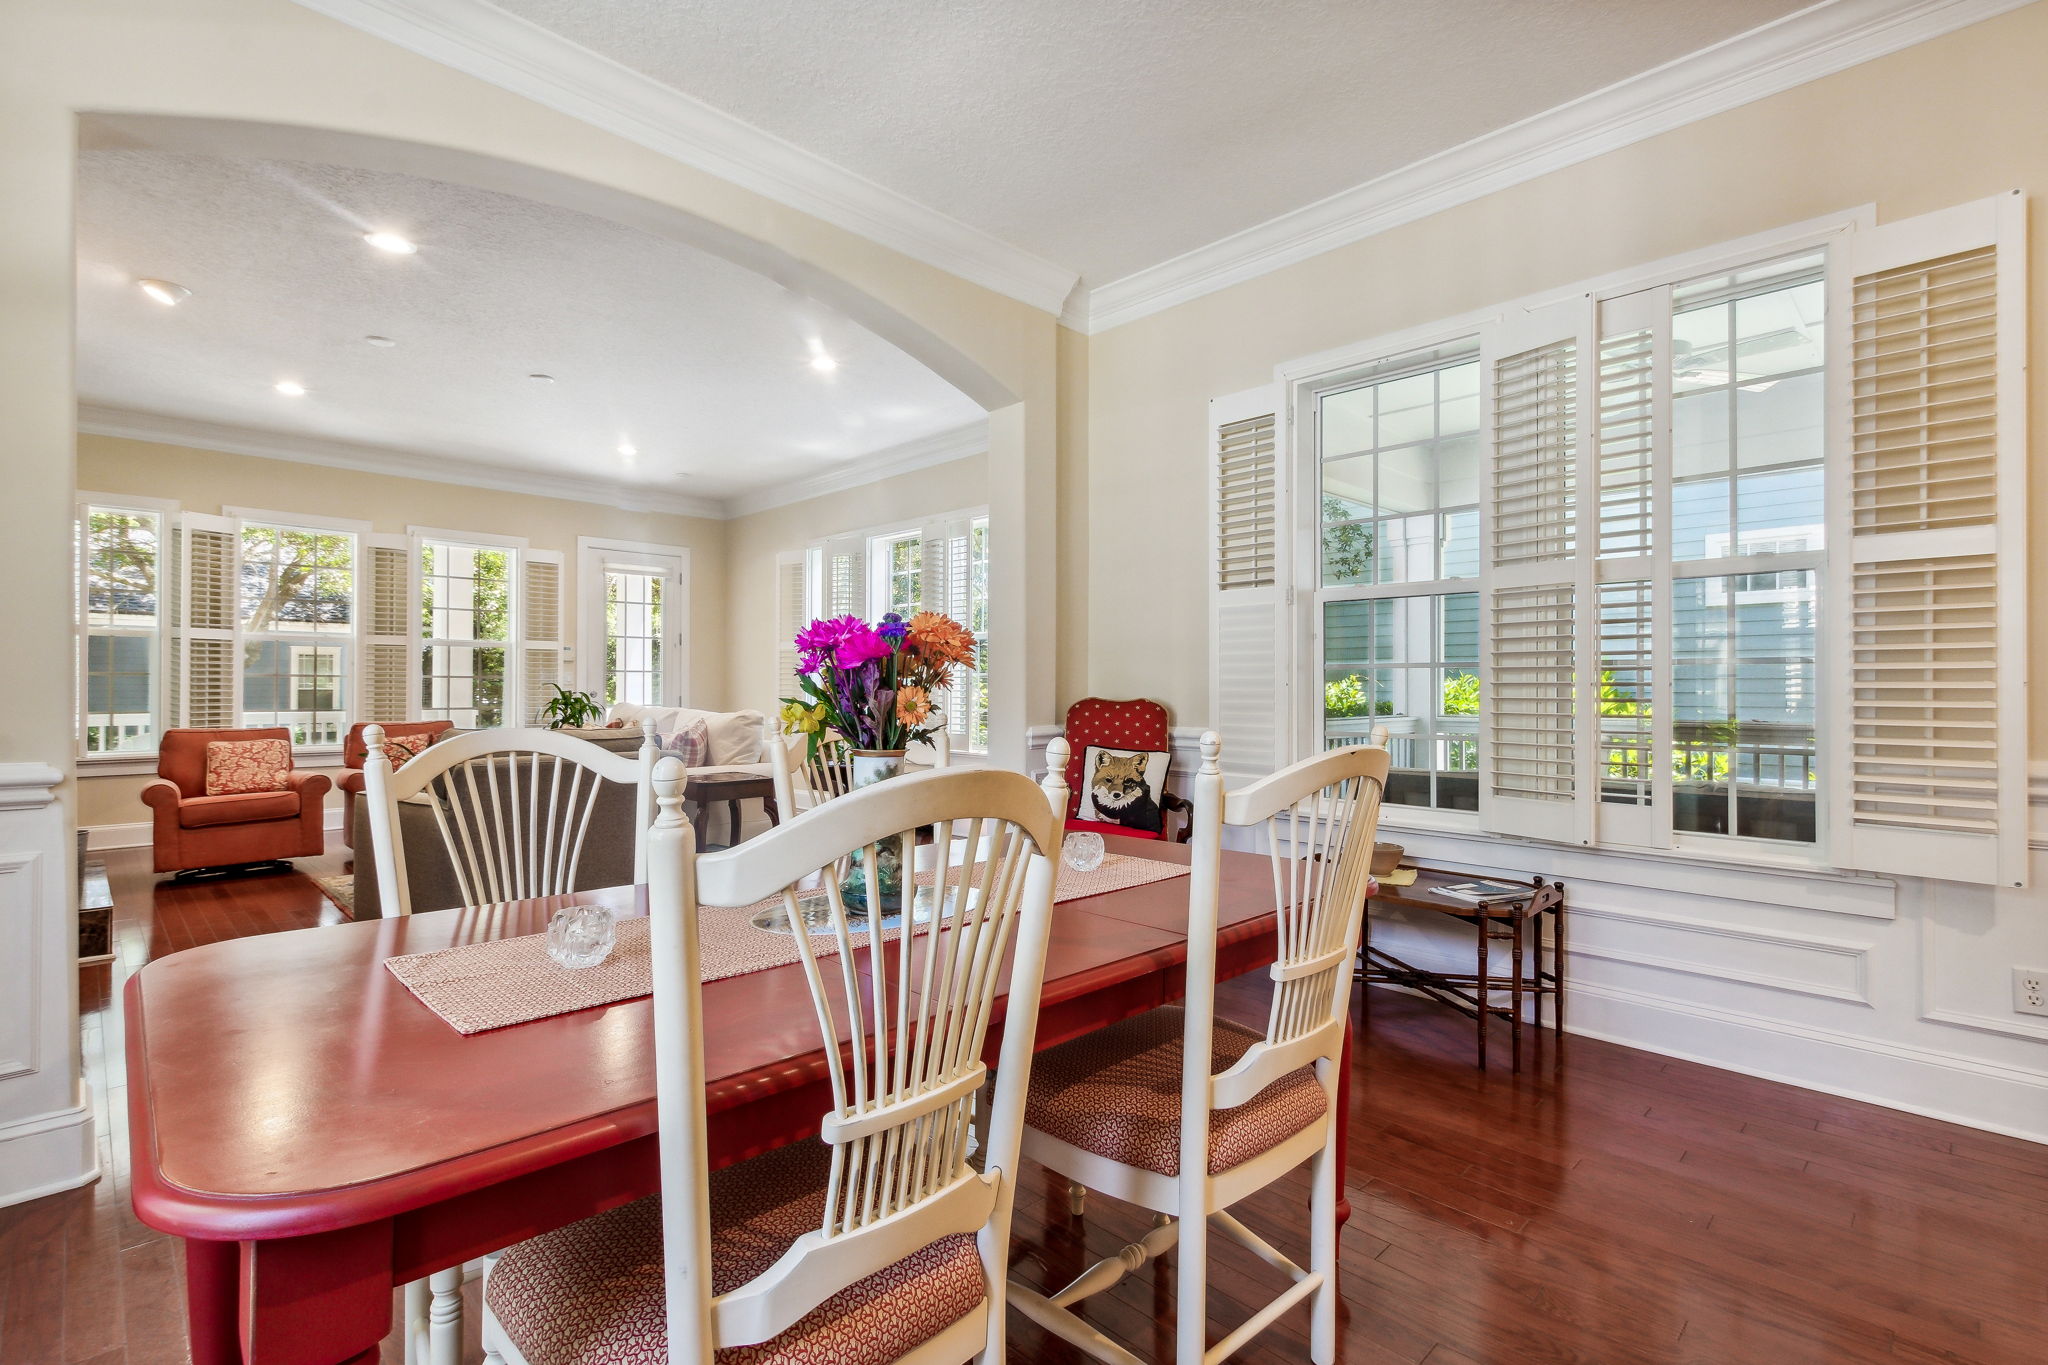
(940, 640)
(913, 705)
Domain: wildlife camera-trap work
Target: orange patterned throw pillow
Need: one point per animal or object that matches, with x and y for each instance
(399, 748)
(235, 766)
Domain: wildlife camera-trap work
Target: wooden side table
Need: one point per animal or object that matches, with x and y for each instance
(704, 788)
(1518, 923)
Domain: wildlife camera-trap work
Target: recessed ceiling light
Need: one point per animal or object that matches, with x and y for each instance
(542, 378)
(391, 242)
(164, 292)
(823, 364)
(380, 341)
(291, 388)
(628, 449)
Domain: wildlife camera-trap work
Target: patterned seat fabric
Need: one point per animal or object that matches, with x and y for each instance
(591, 1293)
(1116, 1093)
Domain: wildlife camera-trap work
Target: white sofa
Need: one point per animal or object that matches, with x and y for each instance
(737, 739)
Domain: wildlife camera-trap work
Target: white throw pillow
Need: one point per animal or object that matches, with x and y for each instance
(735, 735)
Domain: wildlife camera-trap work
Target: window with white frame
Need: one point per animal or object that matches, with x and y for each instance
(467, 629)
(939, 565)
(121, 623)
(633, 633)
(1725, 554)
(1397, 505)
(298, 624)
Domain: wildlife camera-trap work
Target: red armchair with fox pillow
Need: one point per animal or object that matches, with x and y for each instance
(227, 797)
(402, 739)
(1129, 727)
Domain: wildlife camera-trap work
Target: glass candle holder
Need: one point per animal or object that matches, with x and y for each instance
(1082, 850)
(582, 935)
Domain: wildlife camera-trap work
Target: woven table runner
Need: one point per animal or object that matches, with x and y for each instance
(504, 981)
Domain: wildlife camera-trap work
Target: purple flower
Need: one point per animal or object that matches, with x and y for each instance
(892, 628)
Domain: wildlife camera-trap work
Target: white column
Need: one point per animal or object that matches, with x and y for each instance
(46, 1128)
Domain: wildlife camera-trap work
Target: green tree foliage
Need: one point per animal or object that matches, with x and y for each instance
(1347, 548)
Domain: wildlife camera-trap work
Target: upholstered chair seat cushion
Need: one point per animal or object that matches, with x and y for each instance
(199, 812)
(591, 1293)
(1116, 1092)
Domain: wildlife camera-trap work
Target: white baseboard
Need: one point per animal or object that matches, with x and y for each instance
(1940, 1085)
(48, 1154)
(99, 838)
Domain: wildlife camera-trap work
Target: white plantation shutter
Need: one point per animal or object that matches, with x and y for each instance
(1538, 621)
(1928, 328)
(845, 586)
(205, 663)
(790, 618)
(947, 581)
(1250, 611)
(388, 611)
(540, 632)
(1629, 686)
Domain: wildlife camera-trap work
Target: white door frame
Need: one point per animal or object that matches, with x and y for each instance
(592, 554)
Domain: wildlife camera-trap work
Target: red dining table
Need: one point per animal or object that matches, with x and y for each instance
(318, 1136)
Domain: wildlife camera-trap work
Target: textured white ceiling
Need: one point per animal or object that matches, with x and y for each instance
(1111, 135)
(700, 364)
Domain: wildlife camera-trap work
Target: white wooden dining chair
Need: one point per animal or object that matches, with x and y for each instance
(1186, 1114)
(804, 783)
(513, 809)
(877, 1241)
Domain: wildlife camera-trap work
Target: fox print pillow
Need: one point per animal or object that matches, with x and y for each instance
(1124, 787)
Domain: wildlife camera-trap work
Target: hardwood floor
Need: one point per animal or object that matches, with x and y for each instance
(1621, 1207)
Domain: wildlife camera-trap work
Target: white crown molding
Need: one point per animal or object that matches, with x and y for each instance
(515, 54)
(907, 458)
(1798, 48)
(99, 420)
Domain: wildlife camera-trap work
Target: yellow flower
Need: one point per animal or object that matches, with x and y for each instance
(798, 719)
(913, 705)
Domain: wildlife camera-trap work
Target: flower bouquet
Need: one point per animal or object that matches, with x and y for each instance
(873, 685)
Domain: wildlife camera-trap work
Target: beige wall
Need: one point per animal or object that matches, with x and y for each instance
(753, 542)
(1958, 118)
(208, 480)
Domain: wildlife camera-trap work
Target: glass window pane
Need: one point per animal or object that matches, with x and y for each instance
(1347, 551)
(1395, 662)
(1699, 443)
(121, 568)
(633, 638)
(1457, 473)
(1406, 549)
(1699, 349)
(1347, 422)
(302, 686)
(1778, 422)
(1779, 332)
(1461, 545)
(1699, 519)
(1743, 705)
(1407, 410)
(297, 579)
(120, 692)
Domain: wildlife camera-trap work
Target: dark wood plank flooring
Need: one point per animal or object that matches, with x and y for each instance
(1617, 1207)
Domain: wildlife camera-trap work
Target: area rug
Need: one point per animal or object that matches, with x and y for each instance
(340, 889)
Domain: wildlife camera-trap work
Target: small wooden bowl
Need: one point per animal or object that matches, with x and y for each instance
(1385, 858)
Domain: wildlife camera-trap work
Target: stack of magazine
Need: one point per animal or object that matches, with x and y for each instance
(1483, 893)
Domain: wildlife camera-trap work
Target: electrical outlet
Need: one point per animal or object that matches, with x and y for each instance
(2030, 990)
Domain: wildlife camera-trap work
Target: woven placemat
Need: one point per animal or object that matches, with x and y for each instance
(500, 982)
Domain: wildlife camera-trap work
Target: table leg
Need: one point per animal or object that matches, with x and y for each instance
(1481, 992)
(212, 1270)
(1557, 970)
(323, 1299)
(1515, 995)
(769, 808)
(734, 808)
(697, 822)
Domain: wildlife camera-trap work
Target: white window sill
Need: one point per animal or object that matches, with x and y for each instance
(1745, 872)
(144, 764)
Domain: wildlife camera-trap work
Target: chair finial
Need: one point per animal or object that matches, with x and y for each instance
(1212, 747)
(669, 778)
(373, 746)
(1055, 784)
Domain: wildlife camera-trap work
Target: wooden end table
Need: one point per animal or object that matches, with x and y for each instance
(713, 785)
(1518, 923)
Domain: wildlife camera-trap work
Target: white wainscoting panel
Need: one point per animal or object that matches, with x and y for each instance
(46, 1128)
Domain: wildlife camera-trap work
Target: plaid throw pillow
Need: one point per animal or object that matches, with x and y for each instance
(235, 766)
(691, 744)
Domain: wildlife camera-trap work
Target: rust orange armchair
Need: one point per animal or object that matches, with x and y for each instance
(194, 830)
(354, 755)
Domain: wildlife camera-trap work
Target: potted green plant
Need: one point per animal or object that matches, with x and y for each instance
(568, 710)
